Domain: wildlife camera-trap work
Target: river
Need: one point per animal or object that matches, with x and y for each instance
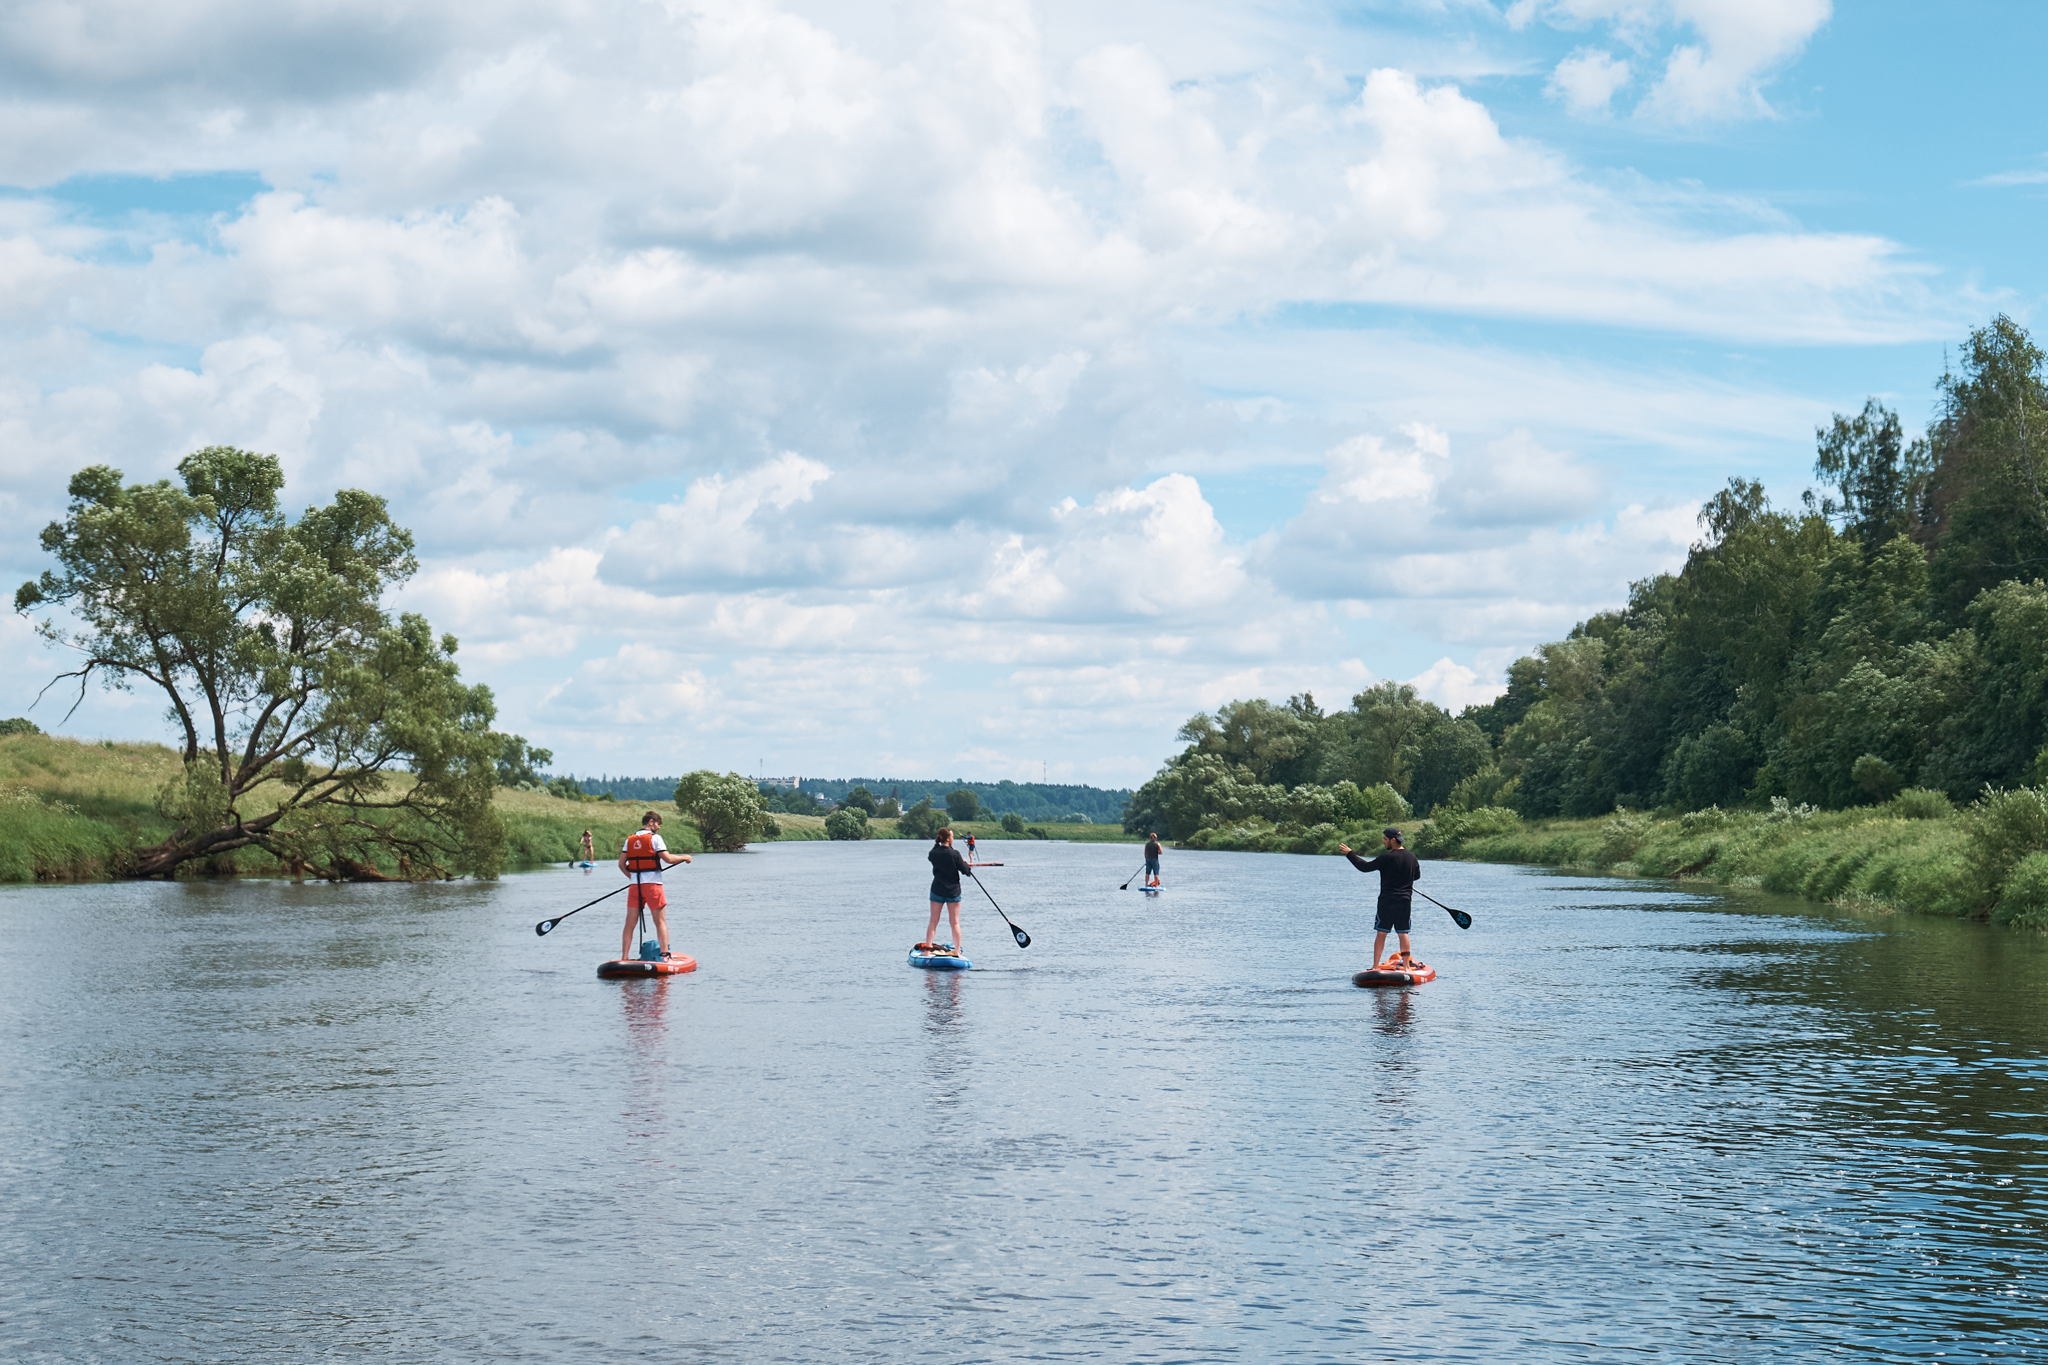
(262, 1122)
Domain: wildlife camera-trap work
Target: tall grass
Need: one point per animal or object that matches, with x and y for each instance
(1987, 861)
(72, 811)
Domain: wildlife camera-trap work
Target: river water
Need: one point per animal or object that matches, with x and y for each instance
(261, 1122)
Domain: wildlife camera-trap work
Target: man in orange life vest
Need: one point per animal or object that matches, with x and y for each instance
(642, 859)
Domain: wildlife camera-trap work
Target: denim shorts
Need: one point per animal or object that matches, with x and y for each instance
(937, 899)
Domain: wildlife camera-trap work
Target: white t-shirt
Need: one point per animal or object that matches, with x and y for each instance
(644, 878)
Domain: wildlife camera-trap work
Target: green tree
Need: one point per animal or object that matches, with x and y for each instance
(1274, 743)
(963, 804)
(860, 799)
(1013, 823)
(1987, 491)
(921, 821)
(848, 822)
(1877, 476)
(311, 724)
(19, 725)
(726, 809)
(522, 765)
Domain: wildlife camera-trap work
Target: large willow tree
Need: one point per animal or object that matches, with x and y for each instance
(314, 726)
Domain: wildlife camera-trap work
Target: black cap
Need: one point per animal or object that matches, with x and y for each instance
(1391, 833)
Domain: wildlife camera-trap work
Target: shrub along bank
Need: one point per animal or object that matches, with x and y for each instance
(1916, 852)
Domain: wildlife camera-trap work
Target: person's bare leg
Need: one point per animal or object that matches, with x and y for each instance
(1379, 945)
(627, 949)
(1405, 955)
(953, 919)
(661, 928)
(931, 927)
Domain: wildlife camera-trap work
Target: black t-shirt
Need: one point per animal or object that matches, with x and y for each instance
(1151, 849)
(1398, 869)
(947, 865)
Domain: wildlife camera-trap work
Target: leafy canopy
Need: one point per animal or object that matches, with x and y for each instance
(312, 724)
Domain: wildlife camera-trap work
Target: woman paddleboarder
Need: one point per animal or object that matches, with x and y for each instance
(947, 865)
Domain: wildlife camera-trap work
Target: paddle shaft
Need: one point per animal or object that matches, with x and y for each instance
(1458, 917)
(1133, 877)
(547, 926)
(1023, 939)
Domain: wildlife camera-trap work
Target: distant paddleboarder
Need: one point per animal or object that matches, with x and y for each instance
(589, 848)
(1152, 852)
(970, 848)
(947, 865)
(1398, 871)
(642, 858)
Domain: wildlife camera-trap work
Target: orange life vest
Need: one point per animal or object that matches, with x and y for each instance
(641, 855)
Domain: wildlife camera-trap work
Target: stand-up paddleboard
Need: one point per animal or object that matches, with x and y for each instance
(1392, 972)
(942, 957)
(1151, 890)
(636, 966)
(586, 864)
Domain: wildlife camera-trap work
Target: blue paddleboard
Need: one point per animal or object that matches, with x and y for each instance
(943, 961)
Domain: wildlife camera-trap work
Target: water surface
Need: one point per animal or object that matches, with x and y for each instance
(262, 1122)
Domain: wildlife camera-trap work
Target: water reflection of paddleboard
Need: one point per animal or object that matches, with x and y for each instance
(939, 957)
(1394, 972)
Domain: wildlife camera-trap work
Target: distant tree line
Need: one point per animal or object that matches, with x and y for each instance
(880, 797)
(1890, 632)
(1043, 802)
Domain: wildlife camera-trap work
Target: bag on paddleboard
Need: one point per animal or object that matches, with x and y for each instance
(650, 950)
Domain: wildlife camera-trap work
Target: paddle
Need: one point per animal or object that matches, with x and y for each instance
(1458, 917)
(1133, 877)
(547, 926)
(1023, 939)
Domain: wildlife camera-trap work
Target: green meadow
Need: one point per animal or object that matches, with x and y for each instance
(70, 810)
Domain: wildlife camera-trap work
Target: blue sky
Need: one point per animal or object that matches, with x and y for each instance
(985, 388)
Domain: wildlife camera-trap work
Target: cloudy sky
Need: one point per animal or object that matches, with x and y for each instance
(979, 389)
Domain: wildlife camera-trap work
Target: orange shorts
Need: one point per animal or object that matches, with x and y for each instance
(646, 896)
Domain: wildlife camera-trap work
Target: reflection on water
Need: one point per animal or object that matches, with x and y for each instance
(644, 1002)
(266, 1122)
(1394, 1010)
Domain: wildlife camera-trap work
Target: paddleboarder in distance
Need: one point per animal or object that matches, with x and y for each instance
(1398, 871)
(642, 857)
(947, 865)
(970, 848)
(589, 848)
(1152, 851)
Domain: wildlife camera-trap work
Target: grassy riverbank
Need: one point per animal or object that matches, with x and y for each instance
(1916, 853)
(70, 810)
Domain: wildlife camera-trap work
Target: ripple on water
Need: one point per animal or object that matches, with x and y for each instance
(265, 1122)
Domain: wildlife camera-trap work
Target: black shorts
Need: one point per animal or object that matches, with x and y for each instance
(1394, 914)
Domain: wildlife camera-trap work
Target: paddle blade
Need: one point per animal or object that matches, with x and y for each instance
(1023, 939)
(1460, 918)
(547, 926)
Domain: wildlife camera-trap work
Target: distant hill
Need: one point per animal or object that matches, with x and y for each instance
(1036, 801)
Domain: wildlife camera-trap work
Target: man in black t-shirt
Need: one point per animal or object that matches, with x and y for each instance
(1398, 871)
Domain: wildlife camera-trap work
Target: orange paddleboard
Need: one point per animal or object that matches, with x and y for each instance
(633, 966)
